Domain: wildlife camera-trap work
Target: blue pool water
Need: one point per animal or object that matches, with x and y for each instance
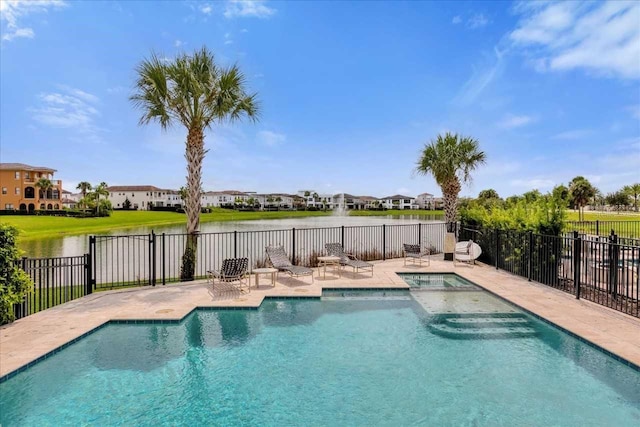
(431, 356)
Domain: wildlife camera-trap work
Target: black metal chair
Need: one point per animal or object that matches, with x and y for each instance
(278, 259)
(416, 254)
(346, 259)
(232, 270)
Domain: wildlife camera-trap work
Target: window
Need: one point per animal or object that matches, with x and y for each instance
(17, 175)
(18, 190)
(4, 190)
(8, 206)
(26, 175)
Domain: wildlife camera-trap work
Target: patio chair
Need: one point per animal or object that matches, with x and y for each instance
(336, 249)
(416, 254)
(467, 251)
(278, 259)
(232, 270)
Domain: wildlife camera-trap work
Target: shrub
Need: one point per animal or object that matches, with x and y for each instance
(14, 282)
(544, 215)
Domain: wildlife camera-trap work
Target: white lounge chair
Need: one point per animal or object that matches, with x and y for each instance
(467, 251)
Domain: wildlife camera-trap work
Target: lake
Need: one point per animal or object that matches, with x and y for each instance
(79, 244)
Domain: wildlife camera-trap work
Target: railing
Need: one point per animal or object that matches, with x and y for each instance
(626, 229)
(605, 271)
(149, 259)
(56, 281)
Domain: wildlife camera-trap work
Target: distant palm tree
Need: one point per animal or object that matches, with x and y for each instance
(45, 185)
(194, 91)
(101, 189)
(450, 159)
(84, 188)
(633, 191)
(581, 192)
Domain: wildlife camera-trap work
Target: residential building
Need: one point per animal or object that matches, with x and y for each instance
(425, 201)
(399, 201)
(143, 196)
(18, 189)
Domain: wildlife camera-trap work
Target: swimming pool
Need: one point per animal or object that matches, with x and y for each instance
(427, 356)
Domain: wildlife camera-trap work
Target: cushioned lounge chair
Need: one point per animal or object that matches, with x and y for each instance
(467, 252)
(233, 270)
(416, 254)
(350, 260)
(278, 259)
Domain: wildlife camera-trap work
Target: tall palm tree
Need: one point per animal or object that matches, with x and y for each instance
(633, 191)
(84, 187)
(45, 185)
(192, 90)
(450, 159)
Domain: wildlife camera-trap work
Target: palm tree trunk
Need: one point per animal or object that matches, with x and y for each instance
(195, 155)
(450, 191)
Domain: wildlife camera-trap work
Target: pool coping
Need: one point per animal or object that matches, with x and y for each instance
(401, 285)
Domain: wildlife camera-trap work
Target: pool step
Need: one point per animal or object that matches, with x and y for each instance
(481, 333)
(483, 326)
(486, 322)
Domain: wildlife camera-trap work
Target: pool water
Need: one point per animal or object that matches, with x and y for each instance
(350, 358)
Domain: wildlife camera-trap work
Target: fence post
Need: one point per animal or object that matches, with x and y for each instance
(497, 232)
(152, 255)
(163, 260)
(293, 246)
(384, 242)
(614, 256)
(88, 271)
(420, 234)
(235, 243)
(530, 266)
(92, 262)
(597, 227)
(342, 236)
(577, 256)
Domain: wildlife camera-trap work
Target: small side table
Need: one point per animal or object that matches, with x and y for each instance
(272, 271)
(323, 261)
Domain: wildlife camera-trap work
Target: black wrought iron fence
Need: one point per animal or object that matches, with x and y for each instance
(56, 281)
(134, 260)
(605, 271)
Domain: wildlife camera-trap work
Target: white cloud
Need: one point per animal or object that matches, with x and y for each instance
(12, 13)
(271, 139)
(477, 21)
(512, 121)
(69, 108)
(603, 38)
(248, 8)
(479, 81)
(206, 8)
(573, 134)
(244, 30)
(456, 20)
(178, 43)
(227, 38)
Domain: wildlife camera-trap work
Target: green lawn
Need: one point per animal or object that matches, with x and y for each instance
(38, 227)
(604, 216)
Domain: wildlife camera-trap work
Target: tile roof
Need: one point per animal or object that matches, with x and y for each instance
(135, 188)
(24, 167)
(397, 197)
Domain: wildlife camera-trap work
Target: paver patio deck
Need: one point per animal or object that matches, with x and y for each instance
(34, 336)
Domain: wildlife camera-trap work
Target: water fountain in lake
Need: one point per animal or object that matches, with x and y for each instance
(341, 209)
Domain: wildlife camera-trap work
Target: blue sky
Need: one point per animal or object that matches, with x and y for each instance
(350, 91)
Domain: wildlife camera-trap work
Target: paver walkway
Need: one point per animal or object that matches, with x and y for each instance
(28, 339)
